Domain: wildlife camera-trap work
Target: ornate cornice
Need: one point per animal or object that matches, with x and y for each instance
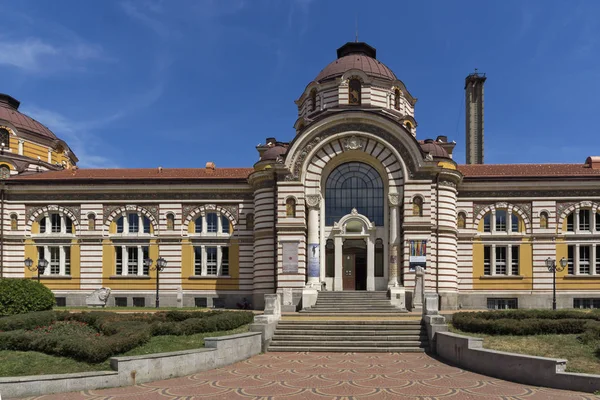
(109, 209)
(528, 193)
(129, 197)
(448, 184)
(75, 210)
(394, 199)
(189, 209)
(562, 206)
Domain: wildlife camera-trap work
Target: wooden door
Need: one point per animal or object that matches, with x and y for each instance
(349, 272)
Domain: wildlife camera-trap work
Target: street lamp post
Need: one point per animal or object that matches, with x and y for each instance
(552, 267)
(161, 264)
(40, 268)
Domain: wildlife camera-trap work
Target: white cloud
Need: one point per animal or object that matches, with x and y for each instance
(36, 55)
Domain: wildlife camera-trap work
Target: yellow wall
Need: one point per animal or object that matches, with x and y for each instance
(187, 270)
(55, 284)
(34, 151)
(109, 278)
(572, 283)
(502, 283)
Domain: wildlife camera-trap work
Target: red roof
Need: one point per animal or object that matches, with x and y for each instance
(368, 65)
(526, 170)
(117, 174)
(9, 112)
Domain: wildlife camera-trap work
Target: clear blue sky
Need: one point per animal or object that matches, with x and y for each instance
(143, 83)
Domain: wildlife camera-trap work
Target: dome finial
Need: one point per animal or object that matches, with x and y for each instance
(356, 37)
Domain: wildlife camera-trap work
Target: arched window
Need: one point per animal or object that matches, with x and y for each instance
(543, 220)
(170, 222)
(408, 125)
(329, 259)
(56, 223)
(354, 88)
(313, 100)
(14, 225)
(397, 99)
(462, 220)
(4, 138)
(379, 258)
(354, 185)
(290, 208)
(133, 223)
(198, 223)
(91, 222)
(250, 221)
(418, 206)
(4, 172)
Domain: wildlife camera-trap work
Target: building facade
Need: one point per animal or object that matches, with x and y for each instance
(355, 201)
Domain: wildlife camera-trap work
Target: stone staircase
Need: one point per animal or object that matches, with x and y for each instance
(352, 303)
(350, 322)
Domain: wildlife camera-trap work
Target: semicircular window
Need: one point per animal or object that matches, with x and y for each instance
(354, 185)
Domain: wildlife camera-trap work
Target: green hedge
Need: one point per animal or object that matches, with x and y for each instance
(20, 296)
(525, 322)
(115, 333)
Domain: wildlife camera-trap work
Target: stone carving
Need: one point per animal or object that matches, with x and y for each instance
(529, 193)
(354, 211)
(428, 157)
(448, 184)
(287, 297)
(353, 143)
(98, 298)
(313, 200)
(394, 199)
(279, 160)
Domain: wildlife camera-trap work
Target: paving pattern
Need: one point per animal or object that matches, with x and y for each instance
(341, 376)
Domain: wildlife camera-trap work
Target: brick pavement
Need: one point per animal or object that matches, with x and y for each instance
(342, 376)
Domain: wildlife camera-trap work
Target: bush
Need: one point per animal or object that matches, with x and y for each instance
(95, 336)
(20, 296)
(31, 320)
(525, 322)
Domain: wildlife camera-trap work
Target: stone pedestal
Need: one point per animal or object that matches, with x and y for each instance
(98, 298)
(309, 297)
(417, 298)
(398, 297)
(432, 304)
(272, 309)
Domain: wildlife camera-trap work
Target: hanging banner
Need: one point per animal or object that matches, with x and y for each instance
(313, 260)
(418, 254)
(290, 257)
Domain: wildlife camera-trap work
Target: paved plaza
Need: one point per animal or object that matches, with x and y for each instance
(347, 376)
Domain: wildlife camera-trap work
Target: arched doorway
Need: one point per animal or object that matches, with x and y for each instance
(354, 254)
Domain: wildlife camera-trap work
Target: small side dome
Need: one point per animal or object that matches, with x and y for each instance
(273, 153)
(430, 146)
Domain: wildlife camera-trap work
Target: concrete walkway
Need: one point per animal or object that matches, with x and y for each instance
(348, 376)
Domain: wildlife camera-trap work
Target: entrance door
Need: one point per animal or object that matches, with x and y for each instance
(349, 272)
(354, 267)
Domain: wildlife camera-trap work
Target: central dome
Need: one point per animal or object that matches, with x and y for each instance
(356, 55)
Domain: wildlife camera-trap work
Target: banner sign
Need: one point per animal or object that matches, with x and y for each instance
(418, 254)
(313, 260)
(290, 257)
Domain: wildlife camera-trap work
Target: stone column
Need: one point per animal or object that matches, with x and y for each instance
(338, 273)
(371, 263)
(417, 300)
(313, 256)
(393, 246)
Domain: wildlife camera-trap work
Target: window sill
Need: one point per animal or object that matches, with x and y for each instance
(140, 277)
(513, 277)
(50, 277)
(209, 235)
(586, 276)
(200, 277)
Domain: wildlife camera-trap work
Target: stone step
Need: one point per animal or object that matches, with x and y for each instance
(353, 333)
(355, 338)
(361, 324)
(339, 349)
(348, 344)
(351, 312)
(353, 306)
(349, 295)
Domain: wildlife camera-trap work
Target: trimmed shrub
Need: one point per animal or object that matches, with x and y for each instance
(20, 296)
(525, 322)
(95, 336)
(31, 320)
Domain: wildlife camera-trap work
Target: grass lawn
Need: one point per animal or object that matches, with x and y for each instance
(581, 357)
(21, 363)
(136, 309)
